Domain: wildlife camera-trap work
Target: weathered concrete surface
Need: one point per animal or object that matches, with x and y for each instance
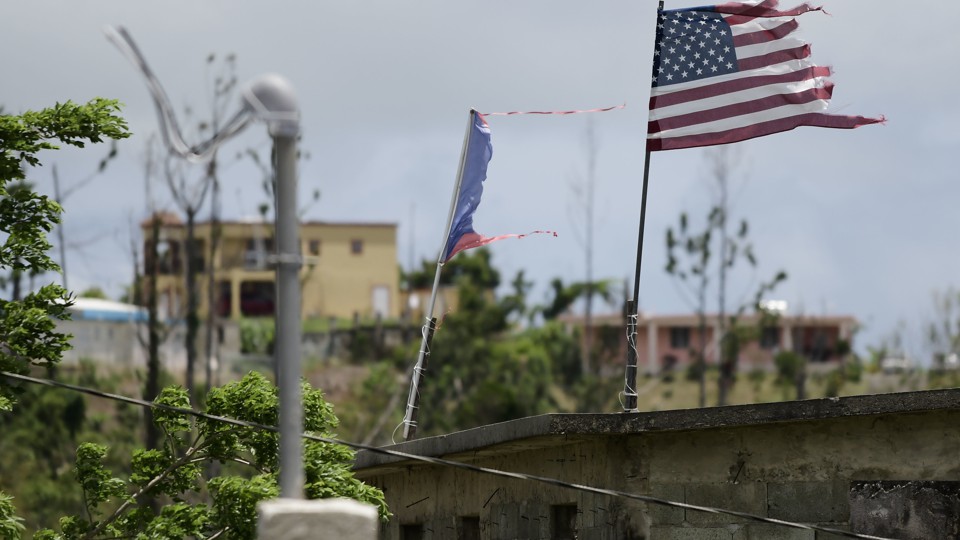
(826, 501)
(691, 533)
(295, 519)
(762, 531)
(906, 510)
(561, 428)
(748, 497)
(787, 461)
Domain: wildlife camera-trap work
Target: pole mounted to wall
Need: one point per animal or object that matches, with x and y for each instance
(410, 430)
(413, 399)
(633, 307)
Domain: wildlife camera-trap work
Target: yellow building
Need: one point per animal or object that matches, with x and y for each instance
(349, 268)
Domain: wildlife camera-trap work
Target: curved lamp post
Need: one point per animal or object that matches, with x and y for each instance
(269, 98)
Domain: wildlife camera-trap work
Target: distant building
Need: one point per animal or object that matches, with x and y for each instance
(114, 334)
(349, 268)
(104, 331)
(670, 341)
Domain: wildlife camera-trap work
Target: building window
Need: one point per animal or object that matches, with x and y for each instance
(256, 253)
(411, 531)
(356, 247)
(258, 243)
(563, 521)
(257, 298)
(680, 337)
(224, 300)
(314, 247)
(821, 350)
(770, 337)
(469, 528)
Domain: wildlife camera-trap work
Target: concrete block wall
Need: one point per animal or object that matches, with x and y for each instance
(438, 499)
(794, 472)
(823, 472)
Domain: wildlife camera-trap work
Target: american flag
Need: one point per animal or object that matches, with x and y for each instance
(732, 72)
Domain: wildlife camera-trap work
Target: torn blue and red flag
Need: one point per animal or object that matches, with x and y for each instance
(732, 72)
(479, 151)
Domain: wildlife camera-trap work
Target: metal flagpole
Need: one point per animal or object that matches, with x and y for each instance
(633, 313)
(413, 400)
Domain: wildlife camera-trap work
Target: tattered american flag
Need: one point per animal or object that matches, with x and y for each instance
(732, 72)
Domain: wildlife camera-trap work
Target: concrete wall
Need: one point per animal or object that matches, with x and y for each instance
(811, 471)
(439, 499)
(117, 345)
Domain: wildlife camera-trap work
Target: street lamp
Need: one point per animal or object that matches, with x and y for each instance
(269, 98)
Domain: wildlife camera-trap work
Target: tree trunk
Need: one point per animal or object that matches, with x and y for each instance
(60, 236)
(193, 321)
(212, 290)
(701, 359)
(16, 283)
(729, 352)
(152, 386)
(723, 387)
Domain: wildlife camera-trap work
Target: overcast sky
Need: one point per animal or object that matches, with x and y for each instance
(865, 222)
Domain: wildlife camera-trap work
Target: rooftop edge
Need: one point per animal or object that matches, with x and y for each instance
(573, 424)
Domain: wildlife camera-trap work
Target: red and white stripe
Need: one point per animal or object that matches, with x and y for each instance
(777, 88)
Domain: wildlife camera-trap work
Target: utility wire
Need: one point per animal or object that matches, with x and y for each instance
(444, 462)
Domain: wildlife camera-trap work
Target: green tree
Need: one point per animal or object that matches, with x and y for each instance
(14, 278)
(562, 297)
(27, 325)
(40, 438)
(943, 329)
(93, 292)
(791, 372)
(688, 260)
(194, 505)
(10, 523)
(482, 369)
(474, 267)
(696, 258)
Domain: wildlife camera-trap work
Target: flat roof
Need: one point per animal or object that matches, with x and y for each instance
(96, 309)
(552, 429)
(691, 319)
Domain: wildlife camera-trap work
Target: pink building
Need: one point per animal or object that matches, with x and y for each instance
(671, 341)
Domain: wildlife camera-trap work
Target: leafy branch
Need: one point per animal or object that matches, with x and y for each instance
(175, 471)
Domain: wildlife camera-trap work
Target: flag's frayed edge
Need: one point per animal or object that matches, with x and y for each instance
(511, 113)
(472, 240)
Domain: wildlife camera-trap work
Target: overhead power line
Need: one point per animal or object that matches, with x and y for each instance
(446, 463)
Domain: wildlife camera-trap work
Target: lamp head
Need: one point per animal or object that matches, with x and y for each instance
(271, 98)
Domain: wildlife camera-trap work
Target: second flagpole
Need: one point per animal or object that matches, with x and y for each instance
(413, 399)
(633, 306)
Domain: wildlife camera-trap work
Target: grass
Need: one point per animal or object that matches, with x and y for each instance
(319, 325)
(657, 393)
